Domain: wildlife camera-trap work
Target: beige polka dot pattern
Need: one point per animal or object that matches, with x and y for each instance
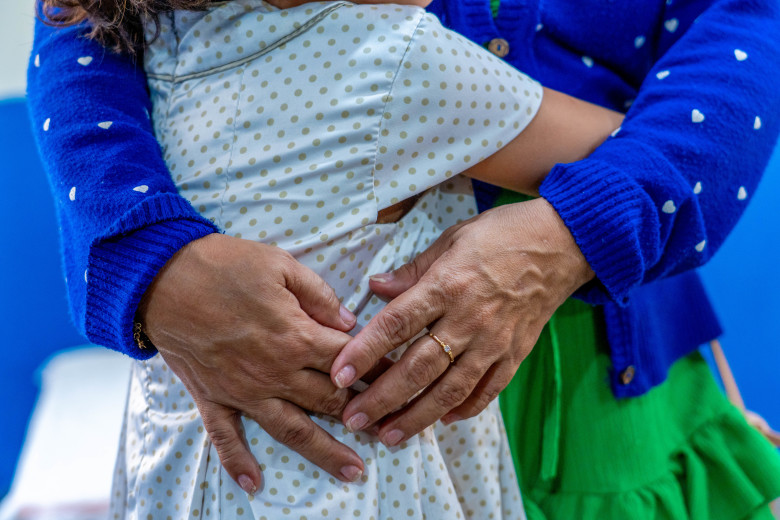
(295, 128)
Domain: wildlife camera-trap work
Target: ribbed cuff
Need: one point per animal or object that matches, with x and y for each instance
(123, 264)
(602, 210)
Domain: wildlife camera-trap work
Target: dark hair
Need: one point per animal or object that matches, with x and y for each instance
(116, 24)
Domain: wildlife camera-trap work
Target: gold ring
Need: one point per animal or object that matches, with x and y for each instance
(446, 348)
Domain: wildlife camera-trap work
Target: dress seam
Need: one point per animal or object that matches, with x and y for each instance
(388, 99)
(243, 61)
(233, 136)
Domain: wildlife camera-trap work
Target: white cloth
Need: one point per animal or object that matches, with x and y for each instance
(295, 128)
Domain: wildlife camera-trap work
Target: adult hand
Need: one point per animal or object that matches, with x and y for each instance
(249, 330)
(486, 287)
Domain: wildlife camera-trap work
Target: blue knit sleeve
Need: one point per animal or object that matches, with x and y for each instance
(662, 194)
(120, 215)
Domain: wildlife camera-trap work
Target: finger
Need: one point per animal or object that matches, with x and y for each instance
(224, 428)
(290, 425)
(391, 285)
(380, 368)
(317, 298)
(315, 392)
(400, 320)
(492, 383)
(421, 364)
(452, 389)
(322, 346)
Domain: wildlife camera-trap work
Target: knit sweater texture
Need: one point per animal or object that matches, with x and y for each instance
(698, 79)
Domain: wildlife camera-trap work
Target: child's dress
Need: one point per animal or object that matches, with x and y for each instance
(295, 128)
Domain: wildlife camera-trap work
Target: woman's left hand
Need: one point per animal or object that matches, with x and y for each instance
(486, 287)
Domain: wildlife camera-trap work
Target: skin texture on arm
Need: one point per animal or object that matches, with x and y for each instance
(565, 129)
(636, 208)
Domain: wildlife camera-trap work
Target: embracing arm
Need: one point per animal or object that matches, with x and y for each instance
(121, 217)
(662, 195)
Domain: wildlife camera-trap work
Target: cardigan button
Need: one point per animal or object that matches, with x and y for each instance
(499, 47)
(627, 375)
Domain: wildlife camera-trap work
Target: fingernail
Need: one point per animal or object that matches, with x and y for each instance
(357, 422)
(346, 316)
(351, 473)
(450, 418)
(247, 485)
(374, 431)
(345, 376)
(393, 437)
(381, 277)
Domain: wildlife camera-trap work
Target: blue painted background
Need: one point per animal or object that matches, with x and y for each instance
(34, 320)
(743, 280)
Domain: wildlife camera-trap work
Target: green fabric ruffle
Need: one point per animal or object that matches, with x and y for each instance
(681, 451)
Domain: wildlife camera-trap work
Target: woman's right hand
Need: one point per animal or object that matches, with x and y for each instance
(250, 331)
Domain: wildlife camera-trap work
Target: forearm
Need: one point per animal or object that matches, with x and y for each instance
(662, 195)
(565, 129)
(120, 216)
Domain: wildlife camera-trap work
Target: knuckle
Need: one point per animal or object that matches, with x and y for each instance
(323, 292)
(394, 326)
(224, 440)
(420, 371)
(448, 395)
(377, 404)
(452, 284)
(290, 344)
(221, 437)
(414, 269)
(485, 398)
(334, 403)
(297, 436)
(496, 347)
(280, 261)
(303, 336)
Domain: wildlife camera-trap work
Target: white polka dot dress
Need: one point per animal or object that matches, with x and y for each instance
(295, 128)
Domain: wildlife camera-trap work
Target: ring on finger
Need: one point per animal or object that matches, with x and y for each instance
(446, 348)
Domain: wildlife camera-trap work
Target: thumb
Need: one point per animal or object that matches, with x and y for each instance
(224, 428)
(394, 283)
(318, 299)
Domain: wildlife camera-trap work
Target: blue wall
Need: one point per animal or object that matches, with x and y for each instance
(743, 280)
(34, 319)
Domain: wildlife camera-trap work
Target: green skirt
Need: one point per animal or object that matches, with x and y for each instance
(680, 451)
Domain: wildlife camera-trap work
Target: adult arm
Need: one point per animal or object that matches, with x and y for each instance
(120, 215)
(220, 308)
(662, 195)
(656, 199)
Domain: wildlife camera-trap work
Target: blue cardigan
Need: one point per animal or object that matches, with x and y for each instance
(698, 79)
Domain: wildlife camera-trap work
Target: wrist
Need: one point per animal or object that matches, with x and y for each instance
(121, 268)
(170, 280)
(559, 239)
